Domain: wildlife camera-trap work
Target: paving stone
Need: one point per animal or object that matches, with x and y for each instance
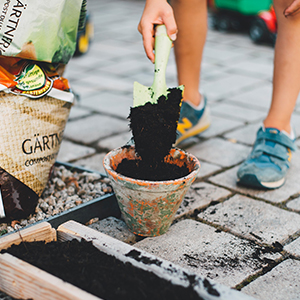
(93, 162)
(78, 112)
(297, 108)
(220, 152)
(230, 84)
(291, 187)
(262, 50)
(111, 103)
(115, 141)
(253, 219)
(209, 252)
(210, 71)
(73, 71)
(128, 66)
(109, 50)
(219, 37)
(295, 121)
(280, 283)
(83, 89)
(69, 151)
(294, 204)
(246, 134)
(115, 228)
(256, 67)
(258, 96)
(220, 125)
(200, 195)
(187, 143)
(143, 77)
(293, 248)
(107, 82)
(224, 53)
(91, 129)
(206, 169)
(235, 112)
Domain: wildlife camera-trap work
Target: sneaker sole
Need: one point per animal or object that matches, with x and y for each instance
(201, 126)
(251, 180)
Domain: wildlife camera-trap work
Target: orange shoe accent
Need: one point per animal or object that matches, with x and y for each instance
(182, 127)
(289, 154)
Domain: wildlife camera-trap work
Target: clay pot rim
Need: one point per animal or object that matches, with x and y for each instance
(118, 176)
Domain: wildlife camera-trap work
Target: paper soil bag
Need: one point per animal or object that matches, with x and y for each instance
(40, 30)
(34, 107)
(36, 39)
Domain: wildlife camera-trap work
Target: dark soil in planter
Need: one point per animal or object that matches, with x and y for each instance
(153, 128)
(84, 266)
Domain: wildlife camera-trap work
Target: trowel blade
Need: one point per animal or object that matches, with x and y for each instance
(141, 94)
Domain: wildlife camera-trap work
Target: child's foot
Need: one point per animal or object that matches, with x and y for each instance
(192, 121)
(269, 161)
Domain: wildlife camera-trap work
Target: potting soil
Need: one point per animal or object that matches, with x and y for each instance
(102, 275)
(153, 128)
(139, 169)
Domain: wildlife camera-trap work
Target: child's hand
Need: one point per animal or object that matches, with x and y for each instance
(156, 12)
(293, 9)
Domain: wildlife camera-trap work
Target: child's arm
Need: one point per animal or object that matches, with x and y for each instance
(156, 12)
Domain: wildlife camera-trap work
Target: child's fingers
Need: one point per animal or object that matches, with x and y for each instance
(293, 9)
(171, 27)
(148, 40)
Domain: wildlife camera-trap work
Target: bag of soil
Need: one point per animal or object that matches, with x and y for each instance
(40, 30)
(34, 107)
(37, 38)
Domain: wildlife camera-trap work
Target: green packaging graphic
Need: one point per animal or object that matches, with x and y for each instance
(39, 30)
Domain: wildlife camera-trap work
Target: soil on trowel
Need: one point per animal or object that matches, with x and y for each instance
(83, 265)
(153, 129)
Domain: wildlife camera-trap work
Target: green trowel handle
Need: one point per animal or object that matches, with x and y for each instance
(163, 45)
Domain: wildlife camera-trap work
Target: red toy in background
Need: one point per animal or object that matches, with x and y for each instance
(257, 17)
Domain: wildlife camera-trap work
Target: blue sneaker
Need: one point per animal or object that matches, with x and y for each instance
(269, 161)
(191, 121)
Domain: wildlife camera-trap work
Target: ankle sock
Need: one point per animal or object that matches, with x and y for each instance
(198, 107)
(290, 135)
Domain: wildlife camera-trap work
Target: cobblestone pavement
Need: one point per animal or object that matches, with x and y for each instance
(242, 238)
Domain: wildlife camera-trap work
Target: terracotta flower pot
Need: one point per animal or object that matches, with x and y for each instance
(148, 207)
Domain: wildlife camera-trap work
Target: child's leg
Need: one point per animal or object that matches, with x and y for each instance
(191, 19)
(286, 80)
(269, 161)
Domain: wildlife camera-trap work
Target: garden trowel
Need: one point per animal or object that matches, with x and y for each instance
(143, 94)
(155, 112)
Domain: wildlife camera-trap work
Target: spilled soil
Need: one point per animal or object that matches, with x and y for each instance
(102, 275)
(153, 128)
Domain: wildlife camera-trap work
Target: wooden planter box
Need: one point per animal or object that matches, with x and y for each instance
(22, 280)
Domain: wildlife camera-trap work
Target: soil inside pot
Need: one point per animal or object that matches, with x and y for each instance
(153, 128)
(83, 265)
(142, 170)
